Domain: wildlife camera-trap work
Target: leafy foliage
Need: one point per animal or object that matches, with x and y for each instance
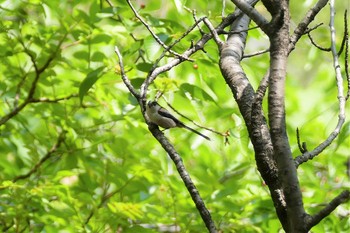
(103, 172)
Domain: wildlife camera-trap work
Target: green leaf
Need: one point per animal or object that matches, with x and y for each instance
(125, 209)
(137, 82)
(98, 56)
(196, 91)
(99, 38)
(90, 80)
(145, 67)
(81, 55)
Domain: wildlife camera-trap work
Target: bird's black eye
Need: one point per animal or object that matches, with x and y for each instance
(151, 103)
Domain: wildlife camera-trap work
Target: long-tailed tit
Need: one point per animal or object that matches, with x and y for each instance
(161, 117)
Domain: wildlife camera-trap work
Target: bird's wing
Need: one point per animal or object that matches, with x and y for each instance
(163, 112)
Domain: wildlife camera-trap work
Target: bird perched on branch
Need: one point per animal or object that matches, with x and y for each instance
(161, 117)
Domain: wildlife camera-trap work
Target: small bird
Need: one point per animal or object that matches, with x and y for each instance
(161, 117)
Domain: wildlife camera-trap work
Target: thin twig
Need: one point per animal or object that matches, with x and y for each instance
(193, 122)
(198, 46)
(302, 26)
(302, 146)
(256, 53)
(214, 33)
(125, 78)
(236, 32)
(109, 3)
(345, 34)
(158, 70)
(312, 28)
(194, 14)
(48, 155)
(340, 199)
(177, 41)
(223, 8)
(341, 99)
(38, 72)
(261, 91)
(18, 90)
(316, 45)
(47, 100)
(159, 41)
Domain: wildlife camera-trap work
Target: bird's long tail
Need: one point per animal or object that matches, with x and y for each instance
(195, 131)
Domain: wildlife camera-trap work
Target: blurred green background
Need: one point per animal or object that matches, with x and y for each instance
(109, 174)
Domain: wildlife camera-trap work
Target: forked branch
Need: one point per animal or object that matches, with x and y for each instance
(341, 99)
(328, 209)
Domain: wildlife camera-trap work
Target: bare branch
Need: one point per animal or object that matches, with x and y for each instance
(177, 41)
(249, 103)
(158, 70)
(125, 78)
(303, 25)
(341, 99)
(316, 45)
(223, 8)
(47, 100)
(18, 90)
(347, 68)
(256, 53)
(346, 34)
(236, 32)
(185, 176)
(194, 13)
(302, 146)
(159, 41)
(213, 32)
(48, 155)
(198, 46)
(312, 28)
(340, 199)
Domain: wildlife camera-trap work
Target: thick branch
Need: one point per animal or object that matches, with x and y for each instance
(230, 57)
(287, 173)
(263, 147)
